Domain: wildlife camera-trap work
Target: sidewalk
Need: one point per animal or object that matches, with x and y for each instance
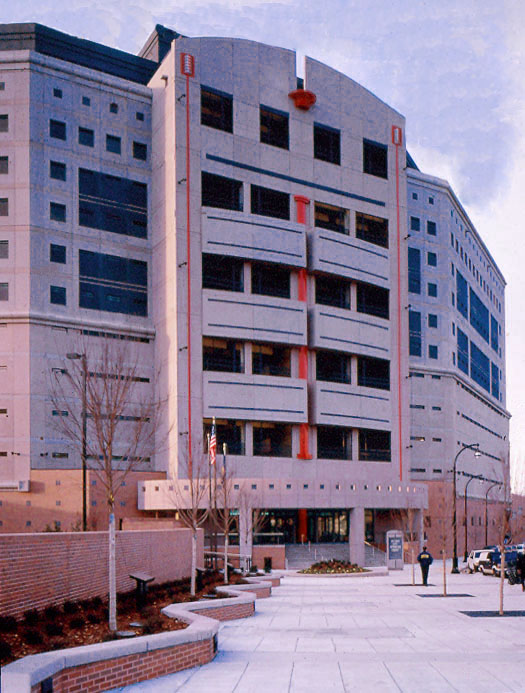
(365, 634)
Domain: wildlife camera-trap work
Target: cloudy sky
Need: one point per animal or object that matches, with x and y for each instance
(454, 68)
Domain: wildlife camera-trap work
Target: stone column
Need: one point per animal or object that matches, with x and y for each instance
(357, 536)
(418, 527)
(245, 531)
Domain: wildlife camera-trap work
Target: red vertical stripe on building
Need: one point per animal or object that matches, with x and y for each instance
(188, 267)
(397, 138)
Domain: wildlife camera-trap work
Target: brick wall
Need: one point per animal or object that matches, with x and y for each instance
(49, 568)
(229, 613)
(275, 552)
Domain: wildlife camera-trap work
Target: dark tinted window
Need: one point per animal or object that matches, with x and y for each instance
(222, 272)
(270, 280)
(372, 229)
(332, 366)
(221, 192)
(330, 217)
(229, 432)
(414, 332)
(414, 270)
(374, 445)
(57, 129)
(113, 144)
(327, 144)
(4, 164)
(86, 137)
(4, 122)
(272, 440)
(140, 151)
(373, 300)
(270, 359)
(274, 127)
(57, 170)
(216, 109)
(57, 253)
(222, 355)
(57, 295)
(57, 212)
(334, 443)
(373, 373)
(431, 228)
(270, 203)
(330, 291)
(375, 158)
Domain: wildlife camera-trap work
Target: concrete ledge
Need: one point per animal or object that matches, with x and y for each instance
(371, 572)
(20, 676)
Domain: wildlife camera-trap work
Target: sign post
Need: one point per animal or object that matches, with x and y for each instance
(394, 550)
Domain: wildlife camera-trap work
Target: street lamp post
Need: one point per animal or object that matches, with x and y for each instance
(472, 446)
(83, 455)
(496, 483)
(480, 478)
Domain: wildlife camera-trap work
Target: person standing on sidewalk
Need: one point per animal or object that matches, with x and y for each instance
(425, 560)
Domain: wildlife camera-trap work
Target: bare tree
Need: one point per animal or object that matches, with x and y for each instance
(503, 521)
(223, 506)
(256, 516)
(444, 504)
(191, 499)
(107, 411)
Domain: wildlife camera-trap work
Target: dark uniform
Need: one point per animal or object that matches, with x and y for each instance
(520, 569)
(425, 561)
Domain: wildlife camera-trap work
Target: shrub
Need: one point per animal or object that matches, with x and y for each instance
(94, 618)
(76, 622)
(51, 612)
(152, 625)
(70, 607)
(32, 636)
(96, 602)
(31, 617)
(8, 624)
(5, 651)
(54, 629)
(58, 644)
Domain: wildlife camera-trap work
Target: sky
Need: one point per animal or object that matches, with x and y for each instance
(455, 69)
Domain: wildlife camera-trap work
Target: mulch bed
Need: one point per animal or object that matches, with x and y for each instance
(333, 566)
(85, 622)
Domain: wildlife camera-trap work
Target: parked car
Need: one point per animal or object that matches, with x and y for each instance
(511, 556)
(485, 561)
(473, 560)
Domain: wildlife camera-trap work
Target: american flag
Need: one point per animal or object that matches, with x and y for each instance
(212, 450)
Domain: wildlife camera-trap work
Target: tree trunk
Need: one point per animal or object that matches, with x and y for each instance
(193, 561)
(226, 544)
(413, 569)
(112, 575)
(444, 573)
(502, 581)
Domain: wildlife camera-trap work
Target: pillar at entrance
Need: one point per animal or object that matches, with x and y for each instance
(418, 527)
(357, 536)
(245, 531)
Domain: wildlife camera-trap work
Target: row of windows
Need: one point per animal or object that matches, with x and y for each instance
(227, 274)
(415, 333)
(227, 355)
(478, 366)
(86, 101)
(275, 440)
(217, 112)
(471, 266)
(86, 137)
(221, 192)
(415, 225)
(473, 309)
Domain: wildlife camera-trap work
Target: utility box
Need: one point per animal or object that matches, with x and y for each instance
(394, 550)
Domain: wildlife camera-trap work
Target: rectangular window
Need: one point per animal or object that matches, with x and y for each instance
(57, 170)
(86, 137)
(331, 217)
(494, 332)
(86, 101)
(222, 272)
(224, 355)
(4, 164)
(57, 212)
(463, 351)
(479, 315)
(4, 207)
(57, 93)
(431, 228)
(330, 291)
(432, 259)
(270, 280)
(57, 129)
(270, 203)
(432, 289)
(274, 127)
(375, 158)
(4, 291)
(327, 144)
(57, 295)
(57, 253)
(113, 108)
(495, 380)
(216, 109)
(228, 431)
(4, 122)
(432, 320)
(334, 443)
(479, 367)
(462, 294)
(415, 224)
(112, 283)
(414, 270)
(270, 359)
(221, 192)
(432, 351)
(372, 229)
(140, 151)
(139, 116)
(272, 440)
(4, 250)
(374, 446)
(373, 300)
(373, 373)
(332, 366)
(414, 332)
(113, 144)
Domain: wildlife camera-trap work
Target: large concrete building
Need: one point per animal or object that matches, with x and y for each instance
(246, 229)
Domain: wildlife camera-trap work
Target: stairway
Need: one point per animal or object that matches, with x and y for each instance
(301, 556)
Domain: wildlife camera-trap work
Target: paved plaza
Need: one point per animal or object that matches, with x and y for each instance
(366, 634)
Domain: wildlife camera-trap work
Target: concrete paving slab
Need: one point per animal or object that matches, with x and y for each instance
(365, 635)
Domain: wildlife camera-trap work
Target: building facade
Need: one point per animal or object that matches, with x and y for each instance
(248, 232)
